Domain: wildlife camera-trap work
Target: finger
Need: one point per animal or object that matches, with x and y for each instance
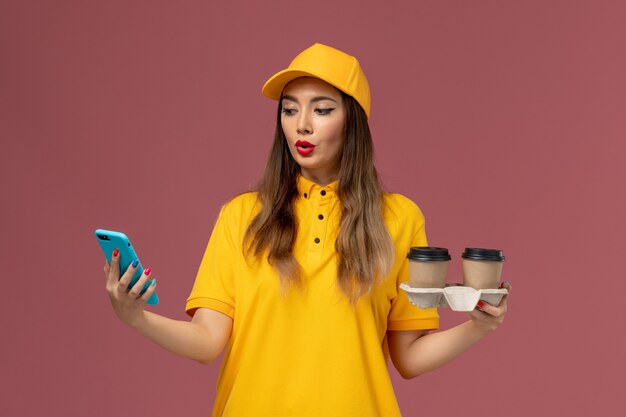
(106, 268)
(146, 295)
(494, 311)
(506, 285)
(128, 275)
(477, 314)
(479, 309)
(489, 309)
(503, 306)
(135, 291)
(485, 320)
(114, 267)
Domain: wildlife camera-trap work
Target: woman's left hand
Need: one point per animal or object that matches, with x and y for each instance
(488, 317)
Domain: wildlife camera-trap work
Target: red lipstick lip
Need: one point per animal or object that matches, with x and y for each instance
(304, 148)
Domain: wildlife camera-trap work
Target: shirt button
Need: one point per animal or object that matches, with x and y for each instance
(317, 240)
(305, 196)
(323, 192)
(321, 217)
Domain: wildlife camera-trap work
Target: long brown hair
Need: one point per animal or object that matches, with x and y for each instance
(364, 248)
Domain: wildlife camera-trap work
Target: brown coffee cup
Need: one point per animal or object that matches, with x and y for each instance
(428, 266)
(482, 268)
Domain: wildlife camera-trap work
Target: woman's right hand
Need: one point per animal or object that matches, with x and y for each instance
(127, 304)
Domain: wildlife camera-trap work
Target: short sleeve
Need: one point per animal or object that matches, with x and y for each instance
(214, 287)
(403, 315)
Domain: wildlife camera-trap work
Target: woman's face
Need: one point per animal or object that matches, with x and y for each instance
(313, 117)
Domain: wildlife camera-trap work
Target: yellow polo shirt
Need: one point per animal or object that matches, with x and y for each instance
(306, 353)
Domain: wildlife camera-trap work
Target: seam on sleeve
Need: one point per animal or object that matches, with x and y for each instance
(212, 303)
(427, 323)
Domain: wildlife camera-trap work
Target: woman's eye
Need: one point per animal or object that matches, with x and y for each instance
(323, 111)
(288, 112)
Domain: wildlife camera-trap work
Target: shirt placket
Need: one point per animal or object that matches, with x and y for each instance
(322, 205)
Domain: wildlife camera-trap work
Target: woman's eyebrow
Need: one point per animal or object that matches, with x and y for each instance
(290, 98)
(322, 98)
(313, 100)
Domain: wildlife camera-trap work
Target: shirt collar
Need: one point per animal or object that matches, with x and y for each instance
(306, 187)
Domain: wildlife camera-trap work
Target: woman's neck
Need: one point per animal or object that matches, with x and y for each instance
(320, 178)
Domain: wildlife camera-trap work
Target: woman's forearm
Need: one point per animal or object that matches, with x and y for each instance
(184, 338)
(434, 350)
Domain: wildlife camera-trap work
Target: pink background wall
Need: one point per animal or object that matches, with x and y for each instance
(503, 120)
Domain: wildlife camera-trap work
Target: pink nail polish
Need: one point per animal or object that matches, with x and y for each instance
(147, 271)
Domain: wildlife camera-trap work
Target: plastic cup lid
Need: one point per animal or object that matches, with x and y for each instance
(478, 254)
(428, 253)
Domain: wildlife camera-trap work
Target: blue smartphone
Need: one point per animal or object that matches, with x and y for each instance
(109, 240)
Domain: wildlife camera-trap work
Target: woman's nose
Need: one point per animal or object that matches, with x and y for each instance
(304, 126)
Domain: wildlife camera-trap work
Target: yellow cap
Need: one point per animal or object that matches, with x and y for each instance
(329, 64)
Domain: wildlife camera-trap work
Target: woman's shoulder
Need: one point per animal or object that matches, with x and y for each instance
(401, 203)
(243, 200)
(401, 210)
(241, 203)
(240, 209)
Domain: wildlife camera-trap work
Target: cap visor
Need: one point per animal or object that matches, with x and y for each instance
(273, 87)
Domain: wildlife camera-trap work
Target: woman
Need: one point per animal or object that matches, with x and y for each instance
(299, 281)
